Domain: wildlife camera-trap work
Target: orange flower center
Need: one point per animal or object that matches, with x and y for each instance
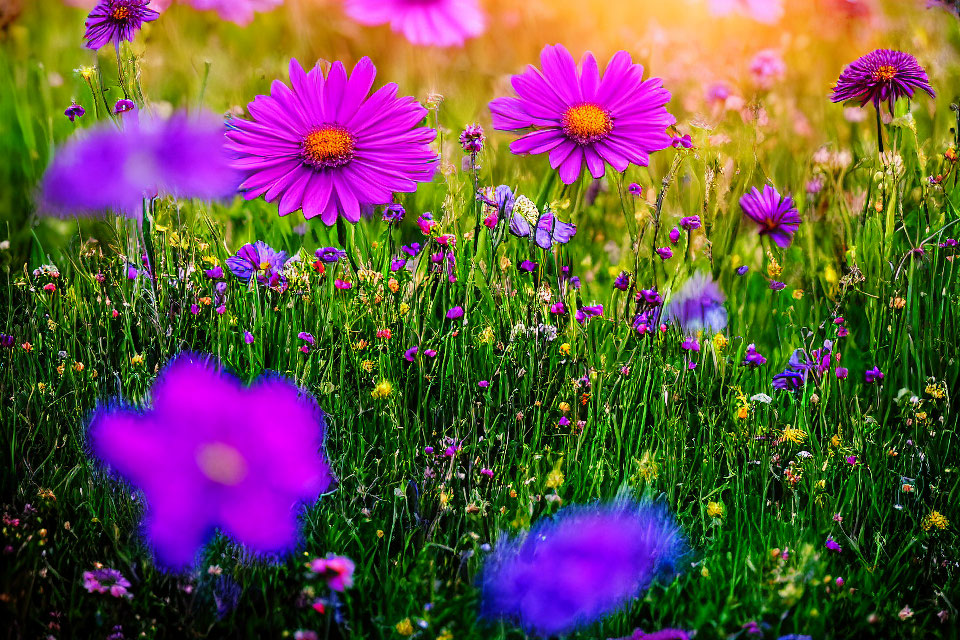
(121, 13)
(328, 147)
(586, 123)
(886, 72)
(222, 463)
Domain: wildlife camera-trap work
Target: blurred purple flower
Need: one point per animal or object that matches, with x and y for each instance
(698, 305)
(665, 253)
(394, 213)
(752, 358)
(622, 281)
(212, 454)
(441, 23)
(580, 565)
(585, 313)
(107, 581)
(454, 313)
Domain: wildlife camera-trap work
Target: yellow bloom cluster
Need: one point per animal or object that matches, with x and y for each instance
(934, 520)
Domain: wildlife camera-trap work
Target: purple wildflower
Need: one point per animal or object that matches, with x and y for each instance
(412, 249)
(698, 305)
(635, 190)
(665, 253)
(776, 216)
(527, 266)
(690, 344)
(210, 453)
(483, 384)
(337, 571)
(330, 254)
(106, 581)
(410, 354)
(682, 142)
(394, 213)
(261, 261)
(742, 270)
(7, 341)
(832, 545)
(690, 223)
(248, 337)
(327, 147)
(752, 358)
(674, 236)
(455, 313)
(842, 373)
(882, 75)
(397, 263)
(874, 375)
(579, 118)
(622, 282)
(115, 21)
(74, 111)
(585, 313)
(215, 273)
(580, 565)
(777, 285)
(472, 139)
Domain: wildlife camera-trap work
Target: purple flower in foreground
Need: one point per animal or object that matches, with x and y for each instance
(106, 581)
(665, 253)
(690, 223)
(7, 341)
(580, 565)
(674, 236)
(330, 254)
(412, 249)
(307, 337)
(682, 142)
(874, 375)
(74, 111)
(579, 118)
(248, 337)
(483, 384)
(777, 286)
(124, 106)
(832, 545)
(842, 372)
(882, 75)
(441, 23)
(526, 266)
(690, 344)
(215, 273)
(210, 453)
(327, 147)
(776, 216)
(105, 168)
(752, 358)
(698, 305)
(260, 261)
(454, 313)
(397, 263)
(113, 21)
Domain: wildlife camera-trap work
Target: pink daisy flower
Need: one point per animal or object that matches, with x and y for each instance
(328, 147)
(441, 23)
(579, 118)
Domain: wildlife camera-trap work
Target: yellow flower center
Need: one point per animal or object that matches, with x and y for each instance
(328, 147)
(222, 463)
(586, 123)
(886, 72)
(121, 13)
(264, 265)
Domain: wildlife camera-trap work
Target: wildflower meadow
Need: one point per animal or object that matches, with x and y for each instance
(463, 319)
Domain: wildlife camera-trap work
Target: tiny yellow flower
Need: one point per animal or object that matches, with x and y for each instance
(60, 368)
(720, 342)
(486, 335)
(368, 365)
(405, 627)
(835, 441)
(704, 572)
(830, 274)
(383, 389)
(797, 294)
(743, 411)
(404, 307)
(934, 519)
(379, 533)
(136, 360)
(393, 285)
(565, 348)
(564, 407)
(774, 269)
(555, 477)
(796, 436)
(714, 510)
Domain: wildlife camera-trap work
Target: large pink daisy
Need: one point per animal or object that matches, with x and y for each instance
(325, 145)
(579, 118)
(443, 23)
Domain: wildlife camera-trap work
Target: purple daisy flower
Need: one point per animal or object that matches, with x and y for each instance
(113, 21)
(580, 565)
(441, 23)
(581, 119)
(328, 147)
(106, 580)
(883, 75)
(776, 216)
(212, 454)
(698, 305)
(261, 261)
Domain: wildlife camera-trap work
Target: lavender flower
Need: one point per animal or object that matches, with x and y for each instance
(665, 253)
(107, 581)
(455, 313)
(690, 223)
(394, 213)
(698, 305)
(260, 261)
(210, 453)
(330, 254)
(580, 565)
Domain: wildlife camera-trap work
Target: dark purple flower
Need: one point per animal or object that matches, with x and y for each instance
(328, 147)
(394, 213)
(412, 249)
(124, 106)
(7, 341)
(742, 271)
(881, 76)
(430, 353)
(579, 118)
(210, 453)
(842, 372)
(752, 358)
(776, 216)
(308, 338)
(410, 354)
(580, 565)
(777, 286)
(690, 344)
(635, 190)
(74, 111)
(698, 305)
(650, 297)
(215, 273)
(874, 375)
(472, 138)
(558, 308)
(832, 545)
(113, 21)
(397, 263)
(689, 223)
(674, 236)
(261, 261)
(330, 254)
(789, 380)
(248, 337)
(665, 253)
(455, 313)
(483, 384)
(682, 142)
(526, 266)
(622, 281)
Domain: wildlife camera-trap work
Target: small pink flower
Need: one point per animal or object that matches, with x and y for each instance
(336, 570)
